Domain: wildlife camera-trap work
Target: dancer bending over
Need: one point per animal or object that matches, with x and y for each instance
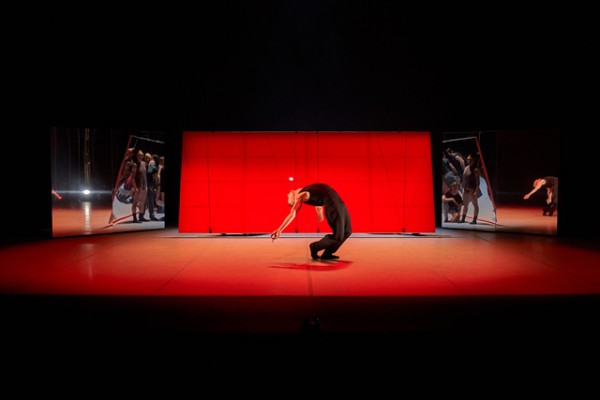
(321, 196)
(551, 185)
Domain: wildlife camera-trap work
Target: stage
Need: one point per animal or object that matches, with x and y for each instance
(512, 219)
(163, 282)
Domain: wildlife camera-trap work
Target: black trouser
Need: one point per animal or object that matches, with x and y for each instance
(151, 200)
(549, 209)
(339, 221)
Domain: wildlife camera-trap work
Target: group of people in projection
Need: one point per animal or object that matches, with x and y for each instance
(462, 177)
(142, 185)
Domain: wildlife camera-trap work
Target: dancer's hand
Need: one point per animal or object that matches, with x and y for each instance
(275, 235)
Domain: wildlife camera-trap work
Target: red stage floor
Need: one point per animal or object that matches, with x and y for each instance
(161, 281)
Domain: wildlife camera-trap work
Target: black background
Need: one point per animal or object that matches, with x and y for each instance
(294, 65)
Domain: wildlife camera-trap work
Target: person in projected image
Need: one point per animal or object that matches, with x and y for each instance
(139, 198)
(458, 161)
(320, 196)
(452, 202)
(152, 183)
(450, 173)
(127, 187)
(471, 191)
(551, 185)
(160, 191)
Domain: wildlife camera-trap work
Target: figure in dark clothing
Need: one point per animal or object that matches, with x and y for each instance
(459, 161)
(551, 185)
(471, 191)
(452, 202)
(321, 196)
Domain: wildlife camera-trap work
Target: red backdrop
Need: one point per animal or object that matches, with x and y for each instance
(237, 182)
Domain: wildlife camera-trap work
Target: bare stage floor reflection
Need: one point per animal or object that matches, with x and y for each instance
(87, 218)
(515, 219)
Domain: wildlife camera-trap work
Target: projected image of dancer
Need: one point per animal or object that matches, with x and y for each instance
(471, 192)
(321, 196)
(551, 185)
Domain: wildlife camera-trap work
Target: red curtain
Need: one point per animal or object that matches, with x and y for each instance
(237, 182)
